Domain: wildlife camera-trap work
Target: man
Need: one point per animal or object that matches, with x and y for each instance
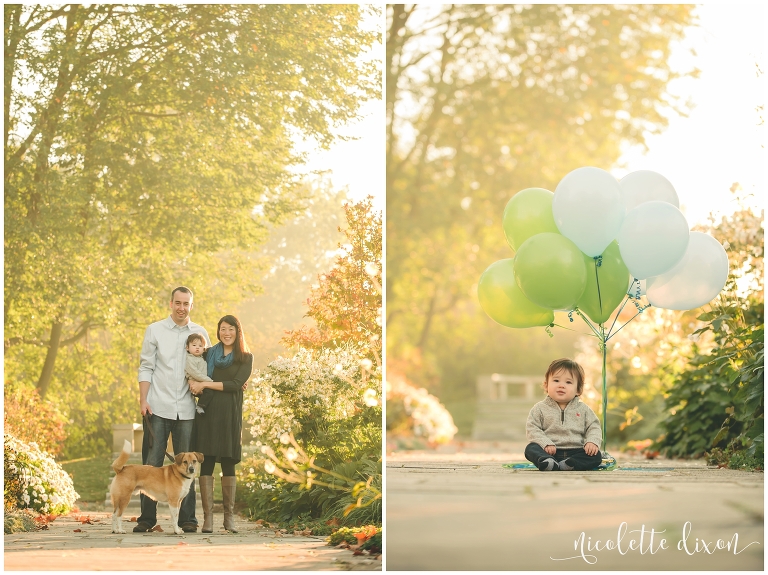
(165, 396)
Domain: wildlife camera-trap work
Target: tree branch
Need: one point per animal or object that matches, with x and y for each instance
(81, 332)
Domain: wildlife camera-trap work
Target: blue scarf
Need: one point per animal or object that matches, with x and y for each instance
(216, 358)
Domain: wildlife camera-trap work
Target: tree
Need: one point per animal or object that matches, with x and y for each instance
(171, 121)
(346, 304)
(296, 253)
(484, 101)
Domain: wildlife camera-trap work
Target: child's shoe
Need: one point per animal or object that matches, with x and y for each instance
(547, 464)
(563, 466)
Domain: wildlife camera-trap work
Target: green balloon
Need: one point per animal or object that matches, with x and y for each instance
(613, 277)
(503, 301)
(528, 213)
(550, 271)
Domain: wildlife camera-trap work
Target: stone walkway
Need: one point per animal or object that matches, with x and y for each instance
(70, 545)
(460, 509)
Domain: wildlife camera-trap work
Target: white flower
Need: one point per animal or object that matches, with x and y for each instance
(371, 269)
(369, 398)
(285, 439)
(252, 470)
(291, 454)
(366, 363)
(269, 467)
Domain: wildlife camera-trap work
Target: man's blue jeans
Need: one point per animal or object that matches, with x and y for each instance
(182, 440)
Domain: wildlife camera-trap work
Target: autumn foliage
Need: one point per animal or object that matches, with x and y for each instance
(346, 302)
(30, 418)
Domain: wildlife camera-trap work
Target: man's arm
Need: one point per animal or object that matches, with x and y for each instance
(143, 391)
(146, 369)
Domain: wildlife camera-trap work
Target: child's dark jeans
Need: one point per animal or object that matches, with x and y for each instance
(577, 458)
(205, 398)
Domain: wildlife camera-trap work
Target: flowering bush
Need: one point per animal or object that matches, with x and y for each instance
(413, 411)
(328, 400)
(32, 479)
(311, 394)
(353, 535)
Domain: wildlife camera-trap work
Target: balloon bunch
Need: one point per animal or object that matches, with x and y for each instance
(597, 244)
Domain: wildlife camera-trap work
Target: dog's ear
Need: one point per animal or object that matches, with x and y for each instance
(178, 458)
(199, 456)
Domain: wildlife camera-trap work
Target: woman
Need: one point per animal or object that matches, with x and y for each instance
(218, 430)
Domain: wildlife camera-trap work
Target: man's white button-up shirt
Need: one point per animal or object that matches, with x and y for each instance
(163, 354)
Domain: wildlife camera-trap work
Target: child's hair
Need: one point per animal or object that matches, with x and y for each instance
(194, 337)
(565, 363)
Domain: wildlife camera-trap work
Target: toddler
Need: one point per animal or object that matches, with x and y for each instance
(563, 433)
(196, 368)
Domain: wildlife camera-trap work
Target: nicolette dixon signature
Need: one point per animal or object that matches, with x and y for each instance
(649, 541)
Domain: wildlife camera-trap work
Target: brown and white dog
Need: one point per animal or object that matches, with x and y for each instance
(170, 483)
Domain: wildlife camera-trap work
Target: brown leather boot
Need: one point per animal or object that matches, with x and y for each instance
(206, 496)
(228, 485)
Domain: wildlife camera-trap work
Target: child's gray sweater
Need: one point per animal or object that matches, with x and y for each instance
(196, 368)
(568, 428)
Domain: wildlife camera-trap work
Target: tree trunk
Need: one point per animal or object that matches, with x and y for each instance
(50, 359)
(428, 321)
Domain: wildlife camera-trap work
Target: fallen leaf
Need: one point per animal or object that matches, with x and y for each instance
(333, 522)
(259, 522)
(358, 552)
(132, 520)
(182, 543)
(274, 525)
(303, 533)
(78, 530)
(84, 519)
(157, 528)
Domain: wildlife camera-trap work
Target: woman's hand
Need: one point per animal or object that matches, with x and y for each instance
(196, 387)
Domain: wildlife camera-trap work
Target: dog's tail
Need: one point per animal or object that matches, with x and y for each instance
(123, 457)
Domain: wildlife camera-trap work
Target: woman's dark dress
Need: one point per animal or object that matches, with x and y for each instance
(219, 430)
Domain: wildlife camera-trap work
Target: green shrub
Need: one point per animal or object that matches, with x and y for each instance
(345, 534)
(328, 401)
(350, 535)
(32, 479)
(19, 520)
(373, 545)
(718, 399)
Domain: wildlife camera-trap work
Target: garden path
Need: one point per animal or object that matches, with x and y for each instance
(71, 545)
(460, 509)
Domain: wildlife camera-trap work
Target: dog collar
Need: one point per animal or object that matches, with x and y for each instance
(186, 476)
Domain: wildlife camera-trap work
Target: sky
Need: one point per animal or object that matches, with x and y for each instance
(358, 163)
(720, 142)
